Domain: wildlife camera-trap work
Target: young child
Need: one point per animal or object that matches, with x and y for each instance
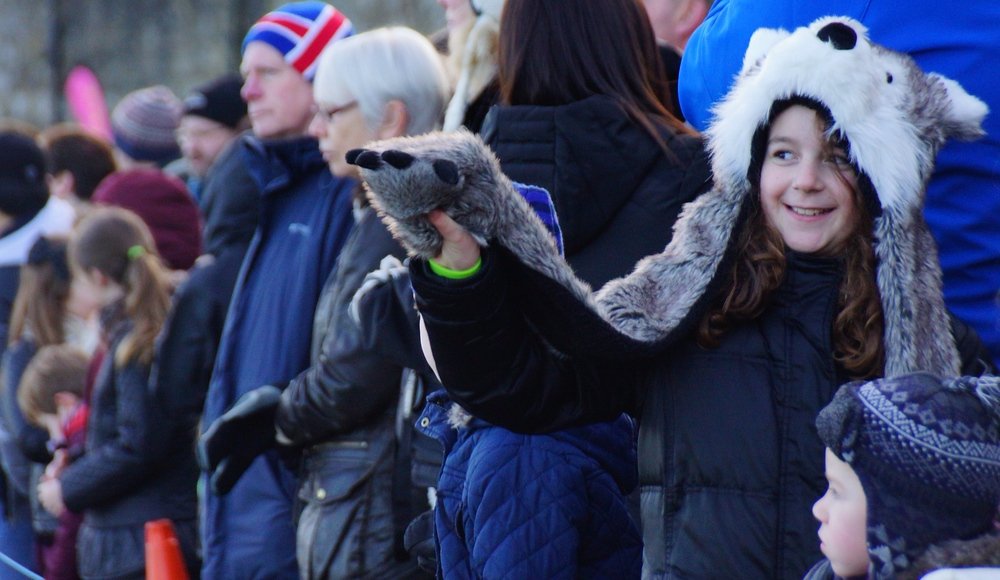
(51, 397)
(913, 464)
(126, 478)
(808, 264)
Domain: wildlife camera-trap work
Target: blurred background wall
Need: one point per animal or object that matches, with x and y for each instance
(135, 43)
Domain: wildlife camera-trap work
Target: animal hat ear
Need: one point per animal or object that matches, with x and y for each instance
(964, 117)
(760, 43)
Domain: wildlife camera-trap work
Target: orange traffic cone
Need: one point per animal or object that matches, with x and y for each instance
(163, 552)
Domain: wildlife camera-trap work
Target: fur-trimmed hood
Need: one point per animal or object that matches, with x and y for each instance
(894, 116)
(951, 558)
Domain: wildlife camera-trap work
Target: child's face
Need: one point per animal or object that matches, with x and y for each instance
(842, 514)
(93, 288)
(806, 185)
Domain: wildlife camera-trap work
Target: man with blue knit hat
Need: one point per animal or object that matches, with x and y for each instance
(305, 216)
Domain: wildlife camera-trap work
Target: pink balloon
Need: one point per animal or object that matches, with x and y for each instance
(86, 102)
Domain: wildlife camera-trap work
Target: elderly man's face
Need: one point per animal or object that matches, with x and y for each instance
(279, 99)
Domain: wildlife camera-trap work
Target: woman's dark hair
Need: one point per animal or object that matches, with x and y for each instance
(85, 157)
(554, 52)
(759, 268)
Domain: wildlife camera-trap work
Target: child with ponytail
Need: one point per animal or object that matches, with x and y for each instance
(126, 478)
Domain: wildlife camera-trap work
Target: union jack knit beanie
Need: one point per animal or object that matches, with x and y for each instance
(300, 31)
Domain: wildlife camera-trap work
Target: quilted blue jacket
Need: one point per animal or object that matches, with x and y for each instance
(533, 506)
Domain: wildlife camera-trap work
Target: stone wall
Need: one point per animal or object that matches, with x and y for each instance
(135, 43)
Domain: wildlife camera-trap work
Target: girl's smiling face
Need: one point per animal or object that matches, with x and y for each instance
(807, 184)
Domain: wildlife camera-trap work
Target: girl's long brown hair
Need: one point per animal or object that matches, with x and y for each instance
(40, 304)
(759, 269)
(117, 243)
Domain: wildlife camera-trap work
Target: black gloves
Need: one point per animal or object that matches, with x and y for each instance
(235, 439)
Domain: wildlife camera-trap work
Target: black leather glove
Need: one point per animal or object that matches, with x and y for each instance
(419, 541)
(235, 439)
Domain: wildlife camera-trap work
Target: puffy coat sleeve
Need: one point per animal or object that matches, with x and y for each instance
(348, 383)
(115, 466)
(493, 363)
(526, 507)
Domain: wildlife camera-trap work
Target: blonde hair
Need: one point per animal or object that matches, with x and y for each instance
(117, 243)
(58, 368)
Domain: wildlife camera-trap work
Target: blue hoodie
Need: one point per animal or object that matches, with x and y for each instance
(305, 218)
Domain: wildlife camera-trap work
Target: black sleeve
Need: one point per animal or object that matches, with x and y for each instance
(390, 323)
(186, 351)
(348, 384)
(493, 362)
(975, 358)
(119, 465)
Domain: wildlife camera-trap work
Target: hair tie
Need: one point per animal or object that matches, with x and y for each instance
(135, 252)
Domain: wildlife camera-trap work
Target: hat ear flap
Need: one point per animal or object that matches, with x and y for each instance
(760, 44)
(964, 117)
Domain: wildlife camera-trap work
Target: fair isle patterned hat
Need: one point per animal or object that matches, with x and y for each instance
(927, 452)
(300, 31)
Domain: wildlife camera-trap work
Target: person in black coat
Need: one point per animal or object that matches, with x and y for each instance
(133, 470)
(587, 119)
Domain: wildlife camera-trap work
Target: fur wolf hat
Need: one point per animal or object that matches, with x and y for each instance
(894, 116)
(927, 452)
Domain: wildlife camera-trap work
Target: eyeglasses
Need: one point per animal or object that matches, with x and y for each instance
(328, 114)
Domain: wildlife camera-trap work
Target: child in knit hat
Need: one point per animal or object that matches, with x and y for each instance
(913, 464)
(143, 124)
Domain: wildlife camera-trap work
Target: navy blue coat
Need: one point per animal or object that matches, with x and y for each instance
(305, 219)
(533, 506)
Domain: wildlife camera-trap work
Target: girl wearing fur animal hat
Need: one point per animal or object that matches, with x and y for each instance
(808, 264)
(913, 464)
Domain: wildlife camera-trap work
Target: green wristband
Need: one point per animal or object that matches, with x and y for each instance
(455, 274)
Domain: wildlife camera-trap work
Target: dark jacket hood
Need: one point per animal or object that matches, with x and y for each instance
(589, 155)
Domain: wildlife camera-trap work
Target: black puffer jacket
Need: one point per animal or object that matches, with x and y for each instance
(723, 470)
(616, 192)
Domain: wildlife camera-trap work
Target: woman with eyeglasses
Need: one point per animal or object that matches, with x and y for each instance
(384, 83)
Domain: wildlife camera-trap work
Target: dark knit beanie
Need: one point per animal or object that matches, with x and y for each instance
(927, 452)
(218, 100)
(22, 175)
(300, 31)
(144, 122)
(164, 204)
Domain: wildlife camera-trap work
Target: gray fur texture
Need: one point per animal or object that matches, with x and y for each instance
(874, 95)
(981, 552)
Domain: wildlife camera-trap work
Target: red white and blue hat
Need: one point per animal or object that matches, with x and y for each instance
(300, 31)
